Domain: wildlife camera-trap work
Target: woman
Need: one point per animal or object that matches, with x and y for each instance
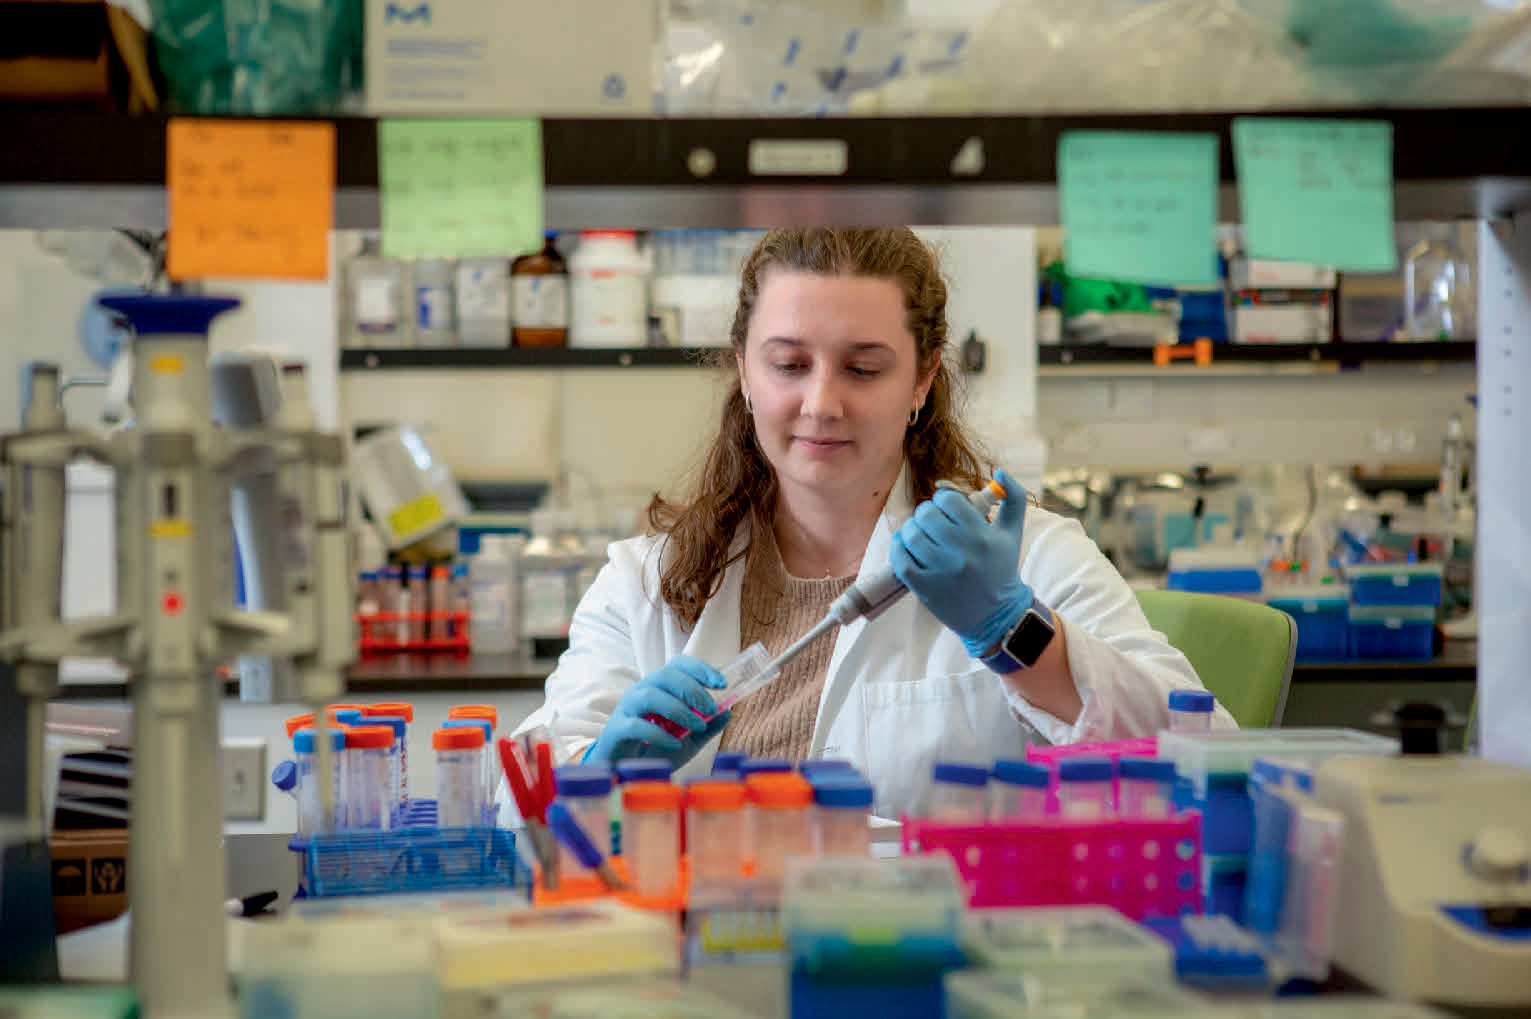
(825, 468)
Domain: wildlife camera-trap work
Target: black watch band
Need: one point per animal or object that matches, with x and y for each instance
(1025, 641)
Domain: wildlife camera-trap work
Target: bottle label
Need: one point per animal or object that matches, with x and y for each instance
(377, 305)
(433, 307)
(482, 293)
(539, 302)
(611, 299)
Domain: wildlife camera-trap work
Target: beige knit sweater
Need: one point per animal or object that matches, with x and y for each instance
(775, 609)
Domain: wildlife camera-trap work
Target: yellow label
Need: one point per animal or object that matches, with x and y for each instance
(170, 529)
(416, 515)
(166, 364)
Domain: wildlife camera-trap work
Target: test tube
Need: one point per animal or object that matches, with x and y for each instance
(763, 765)
(1191, 710)
(486, 770)
(815, 767)
(1018, 792)
(741, 676)
(296, 722)
(644, 769)
(400, 729)
(394, 601)
(1084, 787)
(715, 830)
(406, 711)
(586, 790)
(727, 762)
(461, 604)
(842, 809)
(1144, 787)
(958, 792)
(781, 821)
(309, 819)
(651, 836)
(459, 771)
(488, 711)
(441, 603)
(369, 804)
(417, 581)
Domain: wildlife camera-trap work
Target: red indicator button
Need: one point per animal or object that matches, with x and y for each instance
(170, 603)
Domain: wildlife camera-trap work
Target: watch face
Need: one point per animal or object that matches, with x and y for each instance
(1029, 640)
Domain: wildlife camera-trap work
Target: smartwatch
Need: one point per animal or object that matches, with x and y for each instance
(1025, 642)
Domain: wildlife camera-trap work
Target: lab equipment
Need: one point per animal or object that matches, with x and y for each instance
(459, 776)
(1067, 942)
(1191, 710)
(1018, 790)
(374, 299)
(486, 756)
(1214, 952)
(539, 288)
(742, 676)
(397, 785)
(492, 594)
(439, 623)
(431, 288)
(716, 837)
(532, 795)
(608, 291)
(1232, 570)
(580, 843)
(176, 620)
(842, 815)
(585, 790)
(406, 711)
(406, 485)
(677, 692)
(369, 772)
(395, 603)
(959, 792)
(1320, 610)
(1392, 631)
(627, 999)
(1144, 787)
(483, 302)
(1378, 584)
(417, 582)
(1012, 994)
(311, 781)
(1438, 290)
(651, 815)
(1084, 788)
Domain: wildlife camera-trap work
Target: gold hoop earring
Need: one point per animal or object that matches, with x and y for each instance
(914, 416)
(748, 406)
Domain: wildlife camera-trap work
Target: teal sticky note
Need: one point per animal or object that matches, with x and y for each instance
(460, 187)
(1139, 206)
(1317, 191)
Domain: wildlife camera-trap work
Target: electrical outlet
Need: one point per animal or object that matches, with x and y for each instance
(244, 780)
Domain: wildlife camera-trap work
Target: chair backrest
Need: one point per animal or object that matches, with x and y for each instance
(1242, 650)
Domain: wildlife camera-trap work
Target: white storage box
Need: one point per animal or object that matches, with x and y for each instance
(1282, 323)
(1258, 273)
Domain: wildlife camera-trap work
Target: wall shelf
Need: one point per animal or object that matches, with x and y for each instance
(1243, 357)
(61, 169)
(353, 360)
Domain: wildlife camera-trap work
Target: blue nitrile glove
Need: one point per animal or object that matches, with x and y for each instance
(675, 692)
(964, 568)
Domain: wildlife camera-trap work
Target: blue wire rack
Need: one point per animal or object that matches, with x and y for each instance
(413, 860)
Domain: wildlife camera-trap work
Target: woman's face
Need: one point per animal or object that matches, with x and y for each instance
(832, 372)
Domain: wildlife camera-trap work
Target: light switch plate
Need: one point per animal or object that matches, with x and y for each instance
(244, 780)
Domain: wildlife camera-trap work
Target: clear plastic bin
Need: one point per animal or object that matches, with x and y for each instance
(339, 965)
(1001, 994)
(1233, 751)
(781, 821)
(830, 903)
(1079, 941)
(620, 999)
(716, 838)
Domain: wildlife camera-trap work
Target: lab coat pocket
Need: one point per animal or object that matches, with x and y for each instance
(912, 724)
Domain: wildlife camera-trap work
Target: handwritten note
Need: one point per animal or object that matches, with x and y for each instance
(460, 187)
(250, 198)
(1139, 206)
(1317, 191)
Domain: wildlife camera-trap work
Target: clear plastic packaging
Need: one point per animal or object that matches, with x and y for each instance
(1068, 941)
(1018, 791)
(370, 773)
(781, 821)
(716, 837)
(651, 837)
(1144, 787)
(842, 815)
(1191, 710)
(586, 791)
(1084, 788)
(959, 792)
(459, 774)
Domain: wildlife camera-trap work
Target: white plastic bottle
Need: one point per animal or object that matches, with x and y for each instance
(431, 286)
(374, 300)
(492, 586)
(609, 299)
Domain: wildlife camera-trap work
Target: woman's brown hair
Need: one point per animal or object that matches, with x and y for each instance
(737, 483)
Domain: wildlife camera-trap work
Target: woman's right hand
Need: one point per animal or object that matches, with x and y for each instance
(677, 693)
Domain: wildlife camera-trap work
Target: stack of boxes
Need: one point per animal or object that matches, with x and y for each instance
(1393, 608)
(1282, 302)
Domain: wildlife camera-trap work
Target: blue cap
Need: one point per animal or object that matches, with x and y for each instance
(1192, 700)
(1084, 769)
(285, 776)
(1021, 773)
(369, 574)
(842, 791)
(961, 774)
(729, 760)
(756, 765)
(459, 569)
(417, 571)
(393, 572)
(350, 716)
(472, 723)
(824, 766)
(582, 780)
(158, 314)
(1153, 769)
(644, 769)
(399, 725)
(303, 740)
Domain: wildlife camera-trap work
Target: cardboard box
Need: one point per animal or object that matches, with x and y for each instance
(513, 57)
(90, 876)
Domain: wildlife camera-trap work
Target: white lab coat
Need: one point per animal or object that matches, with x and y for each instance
(901, 691)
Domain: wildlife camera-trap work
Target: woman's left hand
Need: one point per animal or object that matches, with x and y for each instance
(965, 569)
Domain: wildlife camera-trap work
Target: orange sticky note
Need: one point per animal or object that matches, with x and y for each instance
(250, 198)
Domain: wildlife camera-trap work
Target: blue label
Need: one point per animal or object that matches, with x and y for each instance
(408, 15)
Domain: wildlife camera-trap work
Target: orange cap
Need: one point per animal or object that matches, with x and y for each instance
(297, 722)
(995, 487)
(779, 790)
(651, 796)
(332, 708)
(451, 739)
(392, 709)
(369, 737)
(718, 795)
(488, 711)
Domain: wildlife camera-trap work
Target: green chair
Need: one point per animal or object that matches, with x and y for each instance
(1242, 650)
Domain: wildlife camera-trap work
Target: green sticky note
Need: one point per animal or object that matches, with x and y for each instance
(1139, 206)
(1317, 191)
(460, 187)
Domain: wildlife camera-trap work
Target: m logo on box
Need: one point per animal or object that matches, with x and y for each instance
(408, 15)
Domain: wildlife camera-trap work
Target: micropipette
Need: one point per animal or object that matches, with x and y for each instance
(870, 598)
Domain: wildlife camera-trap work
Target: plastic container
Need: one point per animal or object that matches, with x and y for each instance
(1392, 631)
(1084, 788)
(492, 580)
(310, 820)
(488, 760)
(959, 792)
(296, 722)
(406, 711)
(586, 790)
(842, 807)
(716, 838)
(395, 603)
(483, 302)
(781, 821)
(651, 837)
(431, 287)
(1071, 942)
(861, 918)
(438, 626)
(459, 776)
(1395, 583)
(1008, 994)
(1222, 883)
(1191, 710)
(345, 716)
(397, 797)
(1323, 631)
(1144, 787)
(370, 771)
(1439, 300)
(406, 485)
(539, 298)
(1018, 790)
(608, 286)
(1214, 569)
(374, 301)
